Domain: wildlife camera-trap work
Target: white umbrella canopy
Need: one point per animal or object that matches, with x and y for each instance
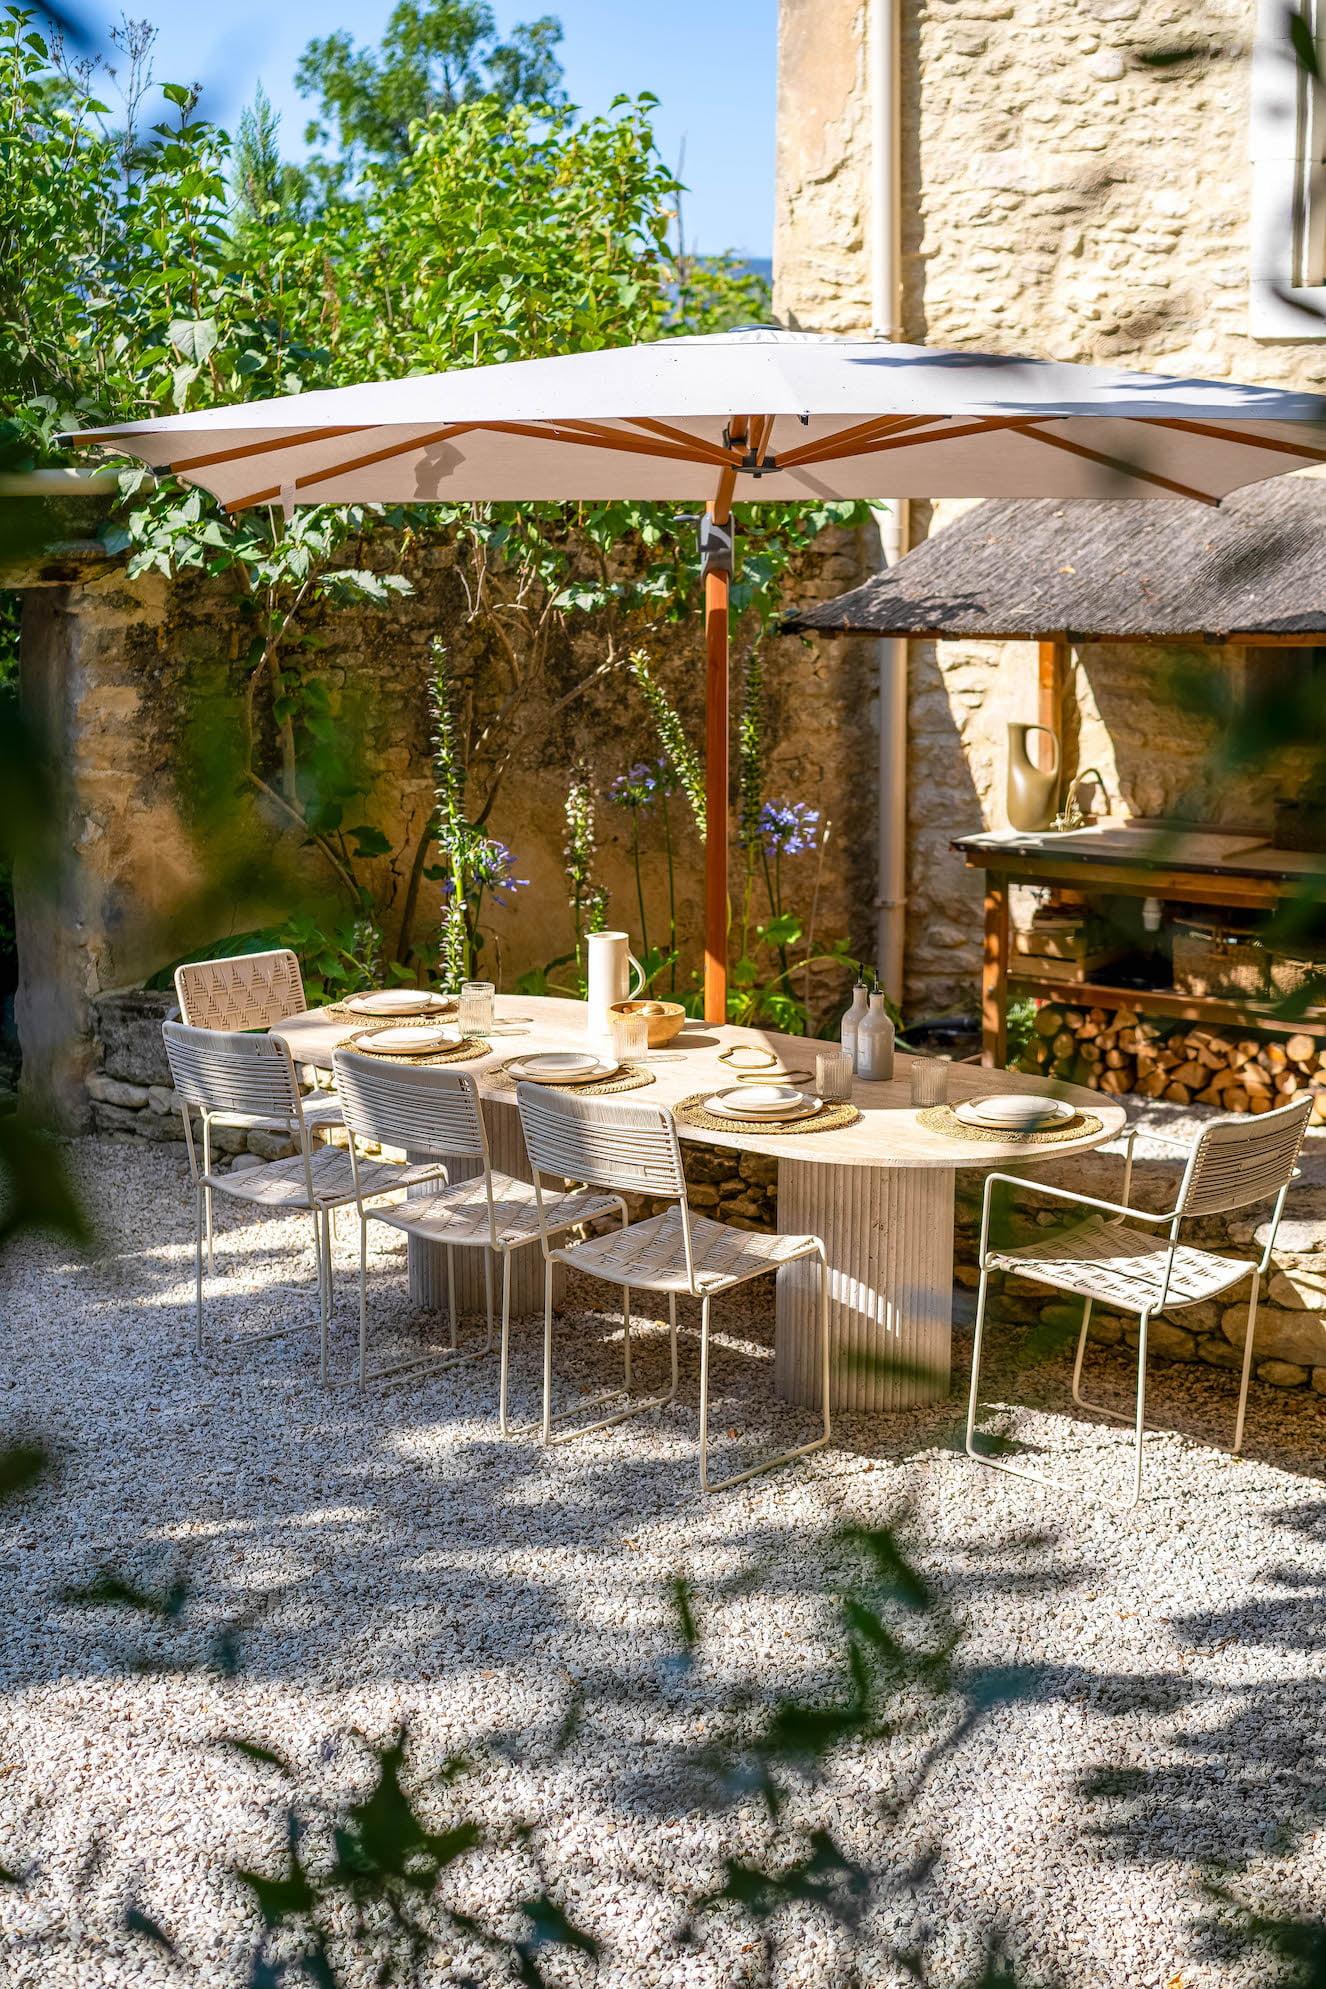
(792, 415)
(736, 417)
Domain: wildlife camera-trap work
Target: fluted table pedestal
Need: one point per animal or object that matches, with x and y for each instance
(889, 1236)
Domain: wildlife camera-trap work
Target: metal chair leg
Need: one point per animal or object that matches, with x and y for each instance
(207, 1193)
(363, 1298)
(632, 1408)
(451, 1293)
(626, 1336)
(783, 1456)
(1025, 1471)
(1081, 1353)
(506, 1345)
(978, 1345)
(1247, 1362)
(1142, 1325)
(198, 1268)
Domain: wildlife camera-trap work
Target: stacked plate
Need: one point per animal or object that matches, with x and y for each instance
(1014, 1112)
(772, 1103)
(398, 1001)
(408, 1042)
(562, 1067)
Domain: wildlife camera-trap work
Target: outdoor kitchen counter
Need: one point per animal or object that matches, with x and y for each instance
(880, 1193)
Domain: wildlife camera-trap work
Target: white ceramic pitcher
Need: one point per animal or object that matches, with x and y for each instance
(608, 964)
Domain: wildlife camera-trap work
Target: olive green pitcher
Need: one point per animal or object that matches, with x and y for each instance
(1033, 796)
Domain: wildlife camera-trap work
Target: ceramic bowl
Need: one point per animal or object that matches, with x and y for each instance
(664, 1017)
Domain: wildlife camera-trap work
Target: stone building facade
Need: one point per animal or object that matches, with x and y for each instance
(1100, 181)
(1082, 182)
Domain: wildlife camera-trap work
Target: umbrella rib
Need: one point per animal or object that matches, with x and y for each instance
(714, 452)
(760, 436)
(1220, 434)
(383, 455)
(178, 467)
(590, 437)
(1132, 470)
(936, 435)
(851, 441)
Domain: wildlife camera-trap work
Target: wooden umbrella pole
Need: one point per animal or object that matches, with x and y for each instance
(717, 588)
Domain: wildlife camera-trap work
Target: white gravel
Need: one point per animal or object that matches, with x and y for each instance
(393, 1560)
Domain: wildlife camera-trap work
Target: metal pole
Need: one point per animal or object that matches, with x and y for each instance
(716, 565)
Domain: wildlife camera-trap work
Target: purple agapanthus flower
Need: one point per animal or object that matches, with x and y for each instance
(490, 866)
(635, 788)
(789, 828)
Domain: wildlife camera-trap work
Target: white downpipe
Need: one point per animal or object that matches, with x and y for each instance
(883, 68)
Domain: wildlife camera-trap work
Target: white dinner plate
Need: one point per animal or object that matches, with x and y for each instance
(397, 1001)
(563, 1067)
(411, 1042)
(1014, 1113)
(732, 1105)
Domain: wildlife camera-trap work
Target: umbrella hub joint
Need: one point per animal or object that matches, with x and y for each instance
(756, 465)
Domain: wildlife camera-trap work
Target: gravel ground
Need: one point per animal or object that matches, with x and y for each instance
(391, 1559)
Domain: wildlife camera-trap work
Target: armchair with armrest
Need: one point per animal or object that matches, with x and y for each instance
(1232, 1164)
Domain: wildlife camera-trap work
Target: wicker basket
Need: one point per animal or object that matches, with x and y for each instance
(1237, 966)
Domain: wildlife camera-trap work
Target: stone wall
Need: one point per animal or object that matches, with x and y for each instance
(1060, 198)
(138, 685)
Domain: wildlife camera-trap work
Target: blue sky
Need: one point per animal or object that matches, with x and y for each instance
(711, 66)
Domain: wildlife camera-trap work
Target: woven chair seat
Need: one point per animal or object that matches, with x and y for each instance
(1120, 1266)
(652, 1254)
(459, 1214)
(280, 1184)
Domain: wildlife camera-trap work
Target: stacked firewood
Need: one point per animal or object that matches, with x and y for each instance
(1119, 1050)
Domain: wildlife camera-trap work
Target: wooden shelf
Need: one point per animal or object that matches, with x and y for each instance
(1211, 867)
(1164, 1002)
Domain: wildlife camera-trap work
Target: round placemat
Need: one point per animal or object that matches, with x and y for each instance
(629, 1078)
(943, 1119)
(341, 1011)
(829, 1119)
(464, 1052)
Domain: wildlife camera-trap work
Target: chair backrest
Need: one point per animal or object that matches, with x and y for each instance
(1241, 1160)
(427, 1110)
(607, 1144)
(220, 1070)
(246, 991)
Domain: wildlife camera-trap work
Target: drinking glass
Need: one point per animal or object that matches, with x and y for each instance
(630, 1036)
(833, 1075)
(474, 1009)
(930, 1080)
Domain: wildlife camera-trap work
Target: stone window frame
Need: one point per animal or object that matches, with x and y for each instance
(1287, 295)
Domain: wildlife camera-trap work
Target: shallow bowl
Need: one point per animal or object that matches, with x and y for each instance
(664, 1017)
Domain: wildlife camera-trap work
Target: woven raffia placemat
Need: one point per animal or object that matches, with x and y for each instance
(829, 1119)
(629, 1078)
(340, 1011)
(943, 1119)
(464, 1052)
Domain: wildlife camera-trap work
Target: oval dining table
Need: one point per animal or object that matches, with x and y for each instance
(879, 1193)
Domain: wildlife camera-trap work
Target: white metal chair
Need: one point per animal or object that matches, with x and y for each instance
(218, 1073)
(249, 991)
(633, 1149)
(1232, 1164)
(437, 1112)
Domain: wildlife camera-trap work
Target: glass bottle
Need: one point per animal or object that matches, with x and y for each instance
(874, 1043)
(853, 1018)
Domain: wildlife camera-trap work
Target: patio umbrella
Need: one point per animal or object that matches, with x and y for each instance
(738, 416)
